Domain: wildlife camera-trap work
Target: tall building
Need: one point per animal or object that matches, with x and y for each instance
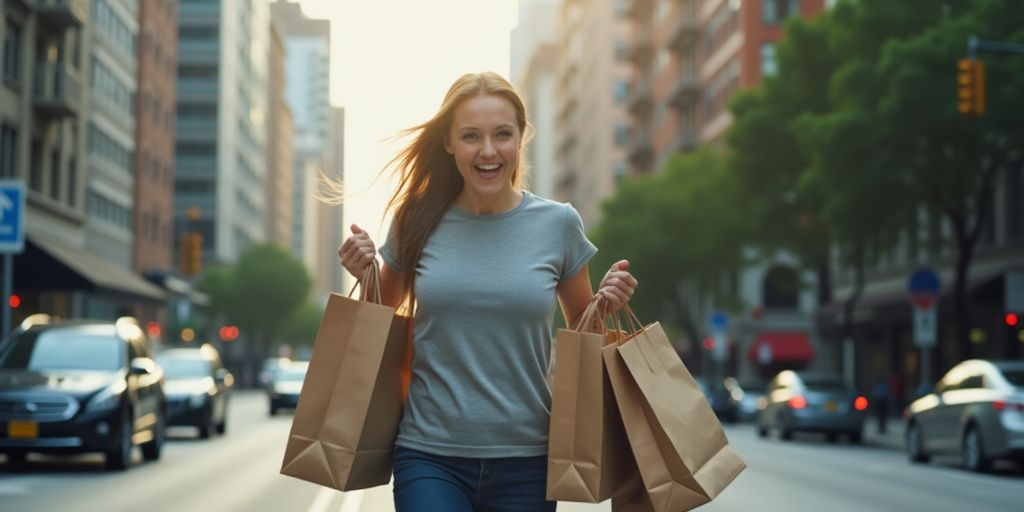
(535, 74)
(222, 102)
(280, 159)
(592, 121)
(307, 43)
(153, 214)
(68, 78)
(690, 57)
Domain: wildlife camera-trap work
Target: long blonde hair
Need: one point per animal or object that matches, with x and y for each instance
(428, 180)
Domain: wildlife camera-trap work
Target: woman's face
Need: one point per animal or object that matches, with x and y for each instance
(484, 139)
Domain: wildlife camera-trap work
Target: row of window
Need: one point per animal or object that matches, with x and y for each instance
(104, 146)
(153, 229)
(107, 21)
(12, 50)
(103, 209)
(107, 86)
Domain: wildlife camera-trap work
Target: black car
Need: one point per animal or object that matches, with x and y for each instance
(719, 399)
(80, 386)
(197, 388)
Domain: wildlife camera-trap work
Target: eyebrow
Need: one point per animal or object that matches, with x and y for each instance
(505, 125)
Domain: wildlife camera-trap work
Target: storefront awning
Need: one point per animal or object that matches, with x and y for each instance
(776, 346)
(47, 265)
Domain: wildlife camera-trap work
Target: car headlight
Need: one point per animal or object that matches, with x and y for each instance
(197, 400)
(108, 398)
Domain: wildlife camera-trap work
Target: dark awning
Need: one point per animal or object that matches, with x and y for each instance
(781, 346)
(47, 265)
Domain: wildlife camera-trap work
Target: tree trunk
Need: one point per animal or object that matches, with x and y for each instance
(824, 274)
(850, 305)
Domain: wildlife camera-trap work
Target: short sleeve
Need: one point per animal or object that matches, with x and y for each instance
(578, 249)
(389, 251)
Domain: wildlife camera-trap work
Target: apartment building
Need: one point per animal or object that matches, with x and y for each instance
(280, 158)
(220, 131)
(534, 71)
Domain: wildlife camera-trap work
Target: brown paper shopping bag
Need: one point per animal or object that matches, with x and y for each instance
(684, 457)
(588, 456)
(346, 421)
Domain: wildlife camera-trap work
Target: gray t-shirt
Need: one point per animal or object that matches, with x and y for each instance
(485, 294)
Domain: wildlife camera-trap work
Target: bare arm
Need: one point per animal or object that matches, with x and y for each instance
(574, 294)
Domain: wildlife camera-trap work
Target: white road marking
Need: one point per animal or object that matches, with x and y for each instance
(353, 501)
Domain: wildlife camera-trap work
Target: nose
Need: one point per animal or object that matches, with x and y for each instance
(488, 148)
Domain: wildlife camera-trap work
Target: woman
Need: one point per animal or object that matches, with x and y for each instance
(485, 262)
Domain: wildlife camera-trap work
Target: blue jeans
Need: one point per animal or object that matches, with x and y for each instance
(434, 483)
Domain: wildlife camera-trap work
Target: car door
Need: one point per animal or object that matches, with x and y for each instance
(944, 421)
(148, 385)
(779, 393)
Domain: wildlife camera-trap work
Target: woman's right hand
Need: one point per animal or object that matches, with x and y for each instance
(357, 252)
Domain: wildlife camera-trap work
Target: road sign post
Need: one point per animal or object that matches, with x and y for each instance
(924, 288)
(12, 240)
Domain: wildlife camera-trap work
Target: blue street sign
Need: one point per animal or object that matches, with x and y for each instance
(12, 217)
(924, 287)
(719, 321)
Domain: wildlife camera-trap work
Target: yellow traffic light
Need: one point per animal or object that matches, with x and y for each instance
(191, 253)
(970, 87)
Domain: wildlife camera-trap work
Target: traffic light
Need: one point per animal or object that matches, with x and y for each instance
(970, 82)
(191, 253)
(1011, 319)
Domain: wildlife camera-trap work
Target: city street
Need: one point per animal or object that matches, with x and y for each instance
(239, 472)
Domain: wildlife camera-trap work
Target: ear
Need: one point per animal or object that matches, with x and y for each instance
(448, 146)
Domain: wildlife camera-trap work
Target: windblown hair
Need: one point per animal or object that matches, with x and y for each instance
(428, 180)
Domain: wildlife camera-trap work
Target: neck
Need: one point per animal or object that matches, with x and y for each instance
(489, 205)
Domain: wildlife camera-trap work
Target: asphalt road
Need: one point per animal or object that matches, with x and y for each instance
(239, 472)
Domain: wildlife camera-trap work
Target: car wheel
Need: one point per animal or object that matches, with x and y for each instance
(151, 450)
(915, 444)
(120, 458)
(762, 431)
(222, 427)
(856, 437)
(974, 451)
(831, 437)
(273, 410)
(786, 434)
(16, 457)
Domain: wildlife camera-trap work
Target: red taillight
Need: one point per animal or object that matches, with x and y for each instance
(860, 403)
(797, 402)
(1002, 405)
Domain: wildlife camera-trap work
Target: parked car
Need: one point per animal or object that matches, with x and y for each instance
(286, 385)
(198, 388)
(718, 398)
(745, 393)
(270, 366)
(976, 412)
(80, 386)
(811, 402)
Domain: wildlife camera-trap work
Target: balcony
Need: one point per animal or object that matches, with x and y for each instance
(57, 91)
(641, 152)
(641, 51)
(641, 102)
(685, 90)
(63, 13)
(684, 32)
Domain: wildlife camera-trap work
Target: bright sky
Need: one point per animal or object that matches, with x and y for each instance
(391, 63)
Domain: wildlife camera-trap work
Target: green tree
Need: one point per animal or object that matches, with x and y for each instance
(681, 226)
(301, 326)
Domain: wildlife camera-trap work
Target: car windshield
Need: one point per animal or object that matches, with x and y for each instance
(63, 349)
(184, 367)
(1014, 376)
(824, 384)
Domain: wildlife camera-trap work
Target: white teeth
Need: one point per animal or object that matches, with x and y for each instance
(490, 167)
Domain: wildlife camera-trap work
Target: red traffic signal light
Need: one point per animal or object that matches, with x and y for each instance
(1011, 319)
(970, 81)
(14, 301)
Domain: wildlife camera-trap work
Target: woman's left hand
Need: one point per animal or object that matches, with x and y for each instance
(617, 286)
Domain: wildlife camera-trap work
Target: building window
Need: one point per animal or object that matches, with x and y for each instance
(8, 150)
(781, 289)
(621, 50)
(774, 12)
(769, 67)
(12, 50)
(621, 134)
(621, 91)
(55, 174)
(619, 172)
(73, 181)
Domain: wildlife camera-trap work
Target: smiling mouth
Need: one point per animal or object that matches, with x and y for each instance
(488, 171)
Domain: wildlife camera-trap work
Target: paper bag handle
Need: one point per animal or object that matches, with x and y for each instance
(588, 321)
(367, 292)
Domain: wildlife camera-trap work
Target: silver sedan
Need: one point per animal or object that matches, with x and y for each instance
(976, 412)
(811, 402)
